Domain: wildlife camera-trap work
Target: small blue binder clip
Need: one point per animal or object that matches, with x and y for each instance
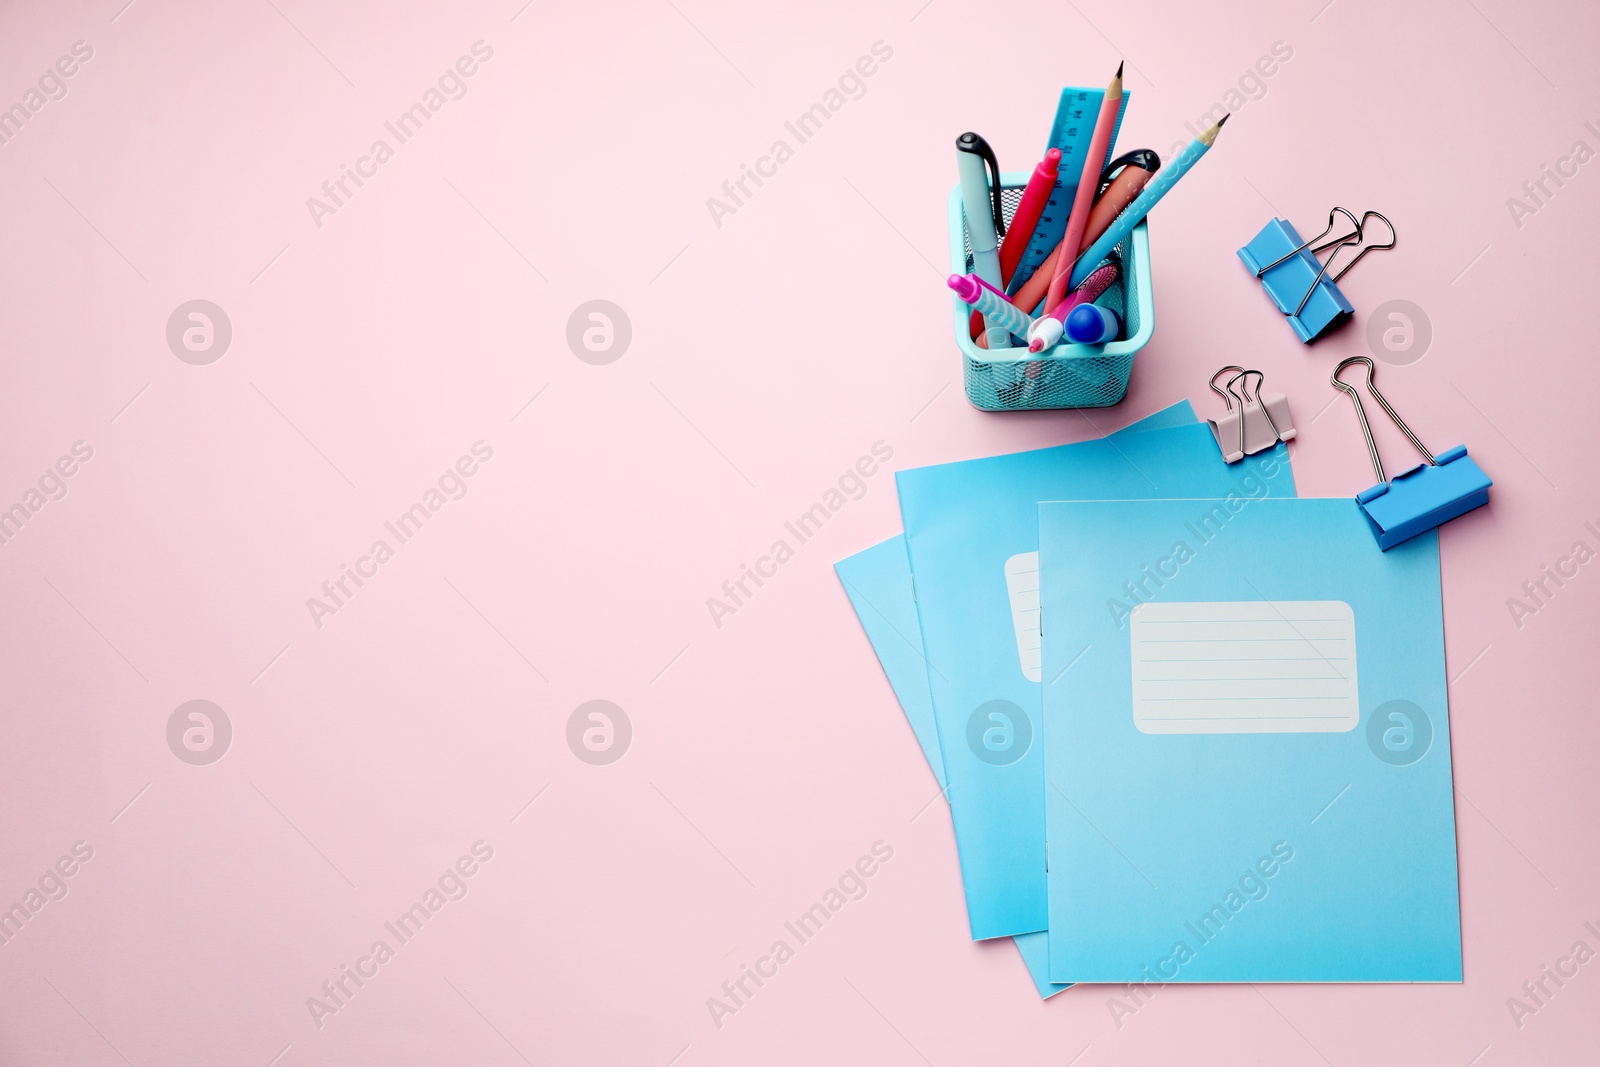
(1295, 279)
(1417, 500)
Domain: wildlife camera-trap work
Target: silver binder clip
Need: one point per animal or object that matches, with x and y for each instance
(1260, 421)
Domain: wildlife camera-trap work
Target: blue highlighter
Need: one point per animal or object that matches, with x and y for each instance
(1091, 324)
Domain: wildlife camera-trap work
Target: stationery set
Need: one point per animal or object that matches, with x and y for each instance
(1191, 726)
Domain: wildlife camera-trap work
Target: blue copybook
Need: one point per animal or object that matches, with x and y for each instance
(878, 582)
(972, 538)
(1248, 751)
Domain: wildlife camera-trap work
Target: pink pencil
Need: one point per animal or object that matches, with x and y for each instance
(1093, 160)
(1020, 232)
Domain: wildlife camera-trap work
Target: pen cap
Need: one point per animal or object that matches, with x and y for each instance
(975, 163)
(966, 286)
(1143, 158)
(1091, 324)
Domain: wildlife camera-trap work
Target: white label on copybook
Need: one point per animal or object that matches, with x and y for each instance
(1244, 667)
(1022, 583)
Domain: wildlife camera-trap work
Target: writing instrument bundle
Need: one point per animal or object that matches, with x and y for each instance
(1055, 264)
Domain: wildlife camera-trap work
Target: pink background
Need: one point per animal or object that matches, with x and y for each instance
(767, 355)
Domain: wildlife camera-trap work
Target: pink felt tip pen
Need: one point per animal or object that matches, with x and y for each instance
(1047, 330)
(992, 303)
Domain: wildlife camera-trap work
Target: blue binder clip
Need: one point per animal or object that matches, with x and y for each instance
(1417, 500)
(1295, 279)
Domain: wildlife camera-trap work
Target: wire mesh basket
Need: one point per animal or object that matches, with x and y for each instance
(1068, 375)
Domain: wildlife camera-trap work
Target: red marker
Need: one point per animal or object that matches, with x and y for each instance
(1020, 232)
(1034, 198)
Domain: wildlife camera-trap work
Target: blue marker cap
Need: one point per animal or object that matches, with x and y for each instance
(1091, 324)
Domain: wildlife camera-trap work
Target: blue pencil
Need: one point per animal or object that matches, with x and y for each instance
(1135, 212)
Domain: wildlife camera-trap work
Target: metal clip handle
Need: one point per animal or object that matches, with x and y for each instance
(1354, 234)
(1243, 377)
(1360, 232)
(1338, 246)
(1355, 237)
(1336, 243)
(1238, 371)
(1366, 430)
(1229, 397)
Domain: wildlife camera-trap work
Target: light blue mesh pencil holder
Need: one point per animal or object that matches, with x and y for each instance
(1068, 375)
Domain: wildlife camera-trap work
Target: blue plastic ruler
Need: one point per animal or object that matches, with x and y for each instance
(1071, 132)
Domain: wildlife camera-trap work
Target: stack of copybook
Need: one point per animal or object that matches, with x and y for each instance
(1191, 728)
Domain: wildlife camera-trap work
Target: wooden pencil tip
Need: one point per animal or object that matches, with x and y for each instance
(1223, 121)
(1119, 68)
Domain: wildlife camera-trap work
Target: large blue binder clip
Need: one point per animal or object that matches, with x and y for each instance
(1298, 282)
(1417, 500)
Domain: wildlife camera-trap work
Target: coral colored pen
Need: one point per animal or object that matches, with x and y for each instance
(1119, 192)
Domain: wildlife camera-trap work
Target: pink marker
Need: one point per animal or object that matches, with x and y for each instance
(1047, 330)
(991, 303)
